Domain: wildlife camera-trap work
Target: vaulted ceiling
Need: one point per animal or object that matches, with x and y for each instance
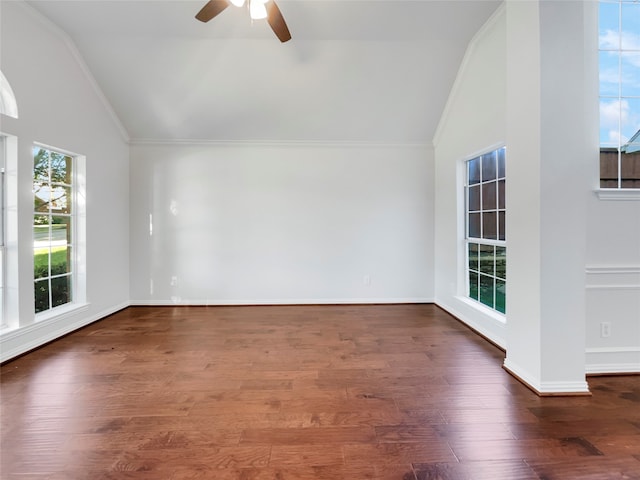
(355, 71)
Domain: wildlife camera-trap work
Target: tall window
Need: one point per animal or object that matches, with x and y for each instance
(485, 229)
(619, 51)
(2, 228)
(53, 225)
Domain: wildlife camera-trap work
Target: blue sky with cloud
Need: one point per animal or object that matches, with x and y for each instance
(619, 39)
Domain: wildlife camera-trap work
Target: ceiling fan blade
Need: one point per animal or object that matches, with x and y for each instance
(211, 9)
(277, 23)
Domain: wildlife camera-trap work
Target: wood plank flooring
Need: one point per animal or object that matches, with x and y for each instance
(400, 392)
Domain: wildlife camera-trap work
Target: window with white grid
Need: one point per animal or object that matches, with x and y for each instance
(485, 212)
(619, 63)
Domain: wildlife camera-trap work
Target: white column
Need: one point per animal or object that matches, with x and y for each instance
(551, 140)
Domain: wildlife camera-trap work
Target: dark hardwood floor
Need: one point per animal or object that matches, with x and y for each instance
(294, 393)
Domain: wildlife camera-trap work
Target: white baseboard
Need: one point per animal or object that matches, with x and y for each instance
(578, 387)
(613, 369)
(484, 324)
(21, 340)
(288, 301)
(613, 360)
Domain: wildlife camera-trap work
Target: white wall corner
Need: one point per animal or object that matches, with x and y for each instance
(468, 54)
(84, 68)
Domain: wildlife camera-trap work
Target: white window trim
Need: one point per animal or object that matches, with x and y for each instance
(625, 194)
(11, 301)
(79, 235)
(8, 104)
(615, 193)
(62, 311)
(3, 318)
(464, 296)
(481, 307)
(496, 314)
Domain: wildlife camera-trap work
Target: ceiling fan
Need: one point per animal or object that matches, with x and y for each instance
(258, 9)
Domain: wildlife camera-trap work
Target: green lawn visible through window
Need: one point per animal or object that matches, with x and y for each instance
(52, 228)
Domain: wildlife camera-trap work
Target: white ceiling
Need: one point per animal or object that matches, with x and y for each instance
(355, 71)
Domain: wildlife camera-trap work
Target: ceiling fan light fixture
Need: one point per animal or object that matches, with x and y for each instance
(257, 9)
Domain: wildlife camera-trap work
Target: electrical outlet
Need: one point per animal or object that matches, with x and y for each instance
(366, 280)
(174, 281)
(605, 329)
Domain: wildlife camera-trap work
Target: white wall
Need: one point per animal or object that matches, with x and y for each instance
(285, 223)
(236, 224)
(59, 106)
(473, 122)
(550, 135)
(613, 285)
(475, 119)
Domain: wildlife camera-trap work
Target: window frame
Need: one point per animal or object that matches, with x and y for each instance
(494, 243)
(72, 236)
(3, 254)
(620, 50)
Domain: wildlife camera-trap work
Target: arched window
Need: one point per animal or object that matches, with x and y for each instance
(8, 104)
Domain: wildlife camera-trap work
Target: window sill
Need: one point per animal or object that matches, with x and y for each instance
(618, 194)
(44, 319)
(480, 307)
(61, 312)
(5, 329)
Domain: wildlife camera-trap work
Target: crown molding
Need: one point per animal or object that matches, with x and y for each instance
(274, 143)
